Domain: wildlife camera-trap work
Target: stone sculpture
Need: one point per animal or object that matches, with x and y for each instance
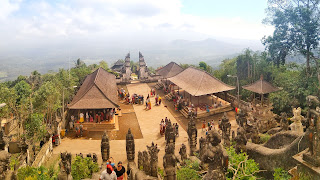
(241, 118)
(226, 129)
(241, 140)
(169, 134)
(65, 166)
(140, 160)
(105, 147)
(284, 121)
(130, 146)
(213, 156)
(23, 145)
(94, 157)
(192, 135)
(146, 162)
(169, 163)
(153, 152)
(4, 163)
(297, 118)
(2, 142)
(183, 153)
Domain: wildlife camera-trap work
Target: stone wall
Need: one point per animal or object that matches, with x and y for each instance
(45, 151)
(269, 158)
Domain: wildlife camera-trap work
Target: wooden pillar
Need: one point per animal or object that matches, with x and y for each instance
(190, 99)
(198, 100)
(225, 96)
(94, 116)
(261, 99)
(78, 119)
(212, 99)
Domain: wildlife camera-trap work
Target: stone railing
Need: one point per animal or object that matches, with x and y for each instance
(45, 151)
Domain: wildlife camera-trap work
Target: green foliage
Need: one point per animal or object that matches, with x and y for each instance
(14, 161)
(192, 165)
(264, 137)
(281, 174)
(160, 171)
(240, 166)
(83, 168)
(35, 128)
(187, 173)
(32, 173)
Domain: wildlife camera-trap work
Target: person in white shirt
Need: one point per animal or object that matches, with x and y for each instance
(108, 174)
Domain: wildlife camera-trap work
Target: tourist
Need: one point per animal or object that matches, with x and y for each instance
(177, 129)
(81, 117)
(142, 99)
(159, 100)
(71, 124)
(111, 162)
(102, 116)
(81, 129)
(91, 118)
(156, 98)
(203, 125)
(77, 131)
(220, 104)
(151, 92)
(215, 105)
(149, 103)
(87, 116)
(120, 172)
(108, 174)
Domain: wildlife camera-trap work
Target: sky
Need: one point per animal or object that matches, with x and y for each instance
(30, 24)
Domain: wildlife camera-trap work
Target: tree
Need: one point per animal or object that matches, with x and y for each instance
(34, 127)
(296, 25)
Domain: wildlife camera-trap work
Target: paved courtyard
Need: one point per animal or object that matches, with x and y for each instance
(148, 120)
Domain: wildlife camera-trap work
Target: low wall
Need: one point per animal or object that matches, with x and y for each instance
(45, 151)
(269, 159)
(136, 174)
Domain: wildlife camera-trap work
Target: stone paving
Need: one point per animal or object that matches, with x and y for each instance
(148, 120)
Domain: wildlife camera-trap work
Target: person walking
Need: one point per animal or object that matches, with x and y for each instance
(203, 125)
(120, 172)
(159, 99)
(108, 174)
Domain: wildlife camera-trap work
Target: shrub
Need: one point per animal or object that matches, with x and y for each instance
(240, 166)
(32, 173)
(83, 168)
(187, 173)
(192, 165)
(281, 174)
(264, 137)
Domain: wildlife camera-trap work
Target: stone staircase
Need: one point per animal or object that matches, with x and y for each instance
(169, 96)
(184, 111)
(159, 86)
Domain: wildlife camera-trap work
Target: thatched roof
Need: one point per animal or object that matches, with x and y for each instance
(98, 91)
(198, 82)
(170, 70)
(261, 87)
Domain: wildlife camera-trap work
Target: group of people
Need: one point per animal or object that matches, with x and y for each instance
(100, 116)
(113, 172)
(163, 125)
(210, 126)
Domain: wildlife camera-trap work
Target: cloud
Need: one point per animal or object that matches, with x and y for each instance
(48, 23)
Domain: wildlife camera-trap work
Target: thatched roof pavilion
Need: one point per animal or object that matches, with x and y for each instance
(98, 91)
(170, 70)
(261, 87)
(198, 82)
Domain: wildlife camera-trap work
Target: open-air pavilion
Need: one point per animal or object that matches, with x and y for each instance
(200, 88)
(97, 96)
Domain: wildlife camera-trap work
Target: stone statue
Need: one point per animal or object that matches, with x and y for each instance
(2, 142)
(153, 152)
(226, 129)
(140, 160)
(192, 135)
(146, 162)
(202, 143)
(297, 118)
(255, 135)
(169, 134)
(94, 157)
(130, 147)
(241, 140)
(313, 154)
(4, 163)
(241, 118)
(169, 163)
(284, 121)
(23, 145)
(183, 153)
(213, 156)
(233, 135)
(65, 166)
(105, 147)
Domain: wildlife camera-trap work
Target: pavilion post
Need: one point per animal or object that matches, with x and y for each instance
(94, 115)
(198, 100)
(212, 98)
(261, 99)
(190, 99)
(78, 114)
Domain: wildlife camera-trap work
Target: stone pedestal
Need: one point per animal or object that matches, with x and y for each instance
(305, 167)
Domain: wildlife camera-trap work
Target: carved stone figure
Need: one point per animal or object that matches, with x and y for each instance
(153, 152)
(140, 160)
(183, 153)
(241, 118)
(255, 135)
(297, 118)
(2, 142)
(130, 146)
(284, 121)
(226, 129)
(146, 162)
(213, 155)
(23, 145)
(313, 117)
(241, 140)
(192, 135)
(169, 163)
(94, 157)
(105, 147)
(65, 166)
(4, 163)
(202, 143)
(169, 134)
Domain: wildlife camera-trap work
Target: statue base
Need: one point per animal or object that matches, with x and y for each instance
(305, 167)
(315, 161)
